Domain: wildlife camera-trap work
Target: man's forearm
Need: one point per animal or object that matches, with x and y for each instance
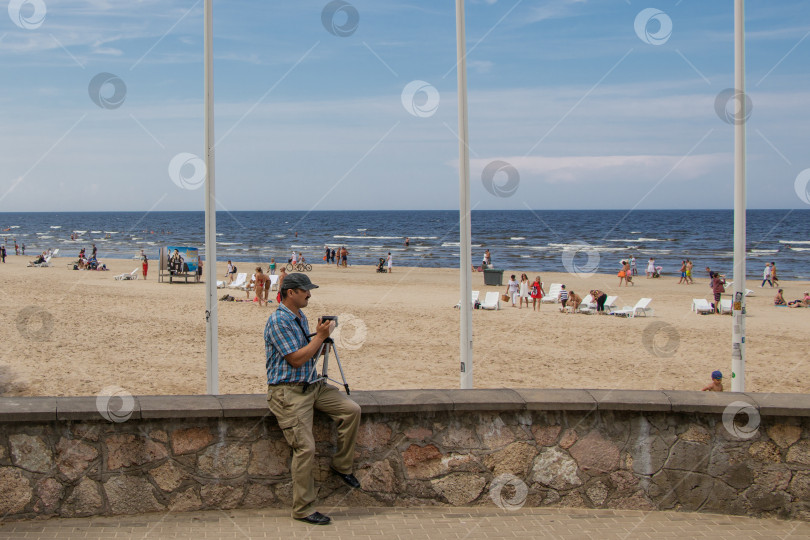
(301, 356)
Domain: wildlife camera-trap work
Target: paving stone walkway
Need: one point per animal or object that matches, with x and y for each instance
(402, 523)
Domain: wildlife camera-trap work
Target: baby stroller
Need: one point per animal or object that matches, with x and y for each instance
(381, 266)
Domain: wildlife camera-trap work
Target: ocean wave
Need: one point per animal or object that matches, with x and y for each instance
(794, 241)
(366, 236)
(763, 251)
(799, 249)
(423, 237)
(229, 243)
(56, 226)
(518, 238)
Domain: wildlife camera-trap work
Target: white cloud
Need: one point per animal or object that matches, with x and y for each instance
(589, 170)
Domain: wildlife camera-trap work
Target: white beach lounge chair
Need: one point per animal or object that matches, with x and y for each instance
(725, 306)
(587, 305)
(273, 282)
(552, 293)
(642, 307)
(702, 306)
(610, 304)
(474, 295)
(729, 287)
(492, 301)
(126, 277)
(239, 282)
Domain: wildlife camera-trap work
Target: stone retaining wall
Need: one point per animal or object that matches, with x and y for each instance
(727, 453)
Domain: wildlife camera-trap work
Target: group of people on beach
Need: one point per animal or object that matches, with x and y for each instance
(338, 258)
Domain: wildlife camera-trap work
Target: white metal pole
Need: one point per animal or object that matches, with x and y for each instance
(211, 340)
(465, 257)
(738, 313)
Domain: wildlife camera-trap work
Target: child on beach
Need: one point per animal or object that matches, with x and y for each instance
(779, 300)
(563, 297)
(717, 383)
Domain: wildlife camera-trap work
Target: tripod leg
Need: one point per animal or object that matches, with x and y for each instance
(342, 376)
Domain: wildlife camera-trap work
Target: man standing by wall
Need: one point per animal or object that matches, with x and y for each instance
(292, 396)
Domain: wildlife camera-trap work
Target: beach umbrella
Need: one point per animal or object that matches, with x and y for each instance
(211, 339)
(465, 258)
(738, 312)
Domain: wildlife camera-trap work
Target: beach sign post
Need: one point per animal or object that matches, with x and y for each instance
(738, 305)
(211, 336)
(465, 258)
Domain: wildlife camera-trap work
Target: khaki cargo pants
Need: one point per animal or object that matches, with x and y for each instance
(294, 409)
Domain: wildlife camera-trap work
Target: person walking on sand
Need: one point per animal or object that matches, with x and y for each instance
(774, 279)
(512, 289)
(537, 293)
(145, 264)
(650, 268)
(683, 273)
(622, 276)
(390, 263)
(766, 275)
(718, 288)
(628, 275)
(524, 291)
(23, 248)
(689, 266)
(633, 265)
(3, 253)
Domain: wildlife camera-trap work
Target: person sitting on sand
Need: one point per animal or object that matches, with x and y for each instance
(717, 383)
(779, 300)
(800, 303)
(574, 300)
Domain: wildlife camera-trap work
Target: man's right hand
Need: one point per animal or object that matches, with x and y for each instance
(324, 328)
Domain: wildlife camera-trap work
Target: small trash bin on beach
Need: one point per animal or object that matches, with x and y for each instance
(493, 277)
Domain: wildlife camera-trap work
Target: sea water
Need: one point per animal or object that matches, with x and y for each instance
(520, 240)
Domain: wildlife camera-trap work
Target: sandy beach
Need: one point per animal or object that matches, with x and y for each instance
(67, 332)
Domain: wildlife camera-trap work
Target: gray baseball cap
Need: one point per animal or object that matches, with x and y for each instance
(297, 281)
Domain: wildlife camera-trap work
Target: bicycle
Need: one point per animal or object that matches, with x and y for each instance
(299, 267)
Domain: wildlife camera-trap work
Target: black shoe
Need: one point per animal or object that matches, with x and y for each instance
(316, 518)
(350, 479)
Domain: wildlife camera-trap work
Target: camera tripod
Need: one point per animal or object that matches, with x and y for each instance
(328, 346)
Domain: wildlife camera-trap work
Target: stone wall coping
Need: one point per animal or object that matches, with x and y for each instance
(38, 409)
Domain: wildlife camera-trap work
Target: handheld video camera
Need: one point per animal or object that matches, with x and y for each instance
(325, 318)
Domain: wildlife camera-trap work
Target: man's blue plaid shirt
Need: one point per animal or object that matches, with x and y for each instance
(283, 336)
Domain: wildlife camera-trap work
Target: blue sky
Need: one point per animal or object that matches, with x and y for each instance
(586, 111)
